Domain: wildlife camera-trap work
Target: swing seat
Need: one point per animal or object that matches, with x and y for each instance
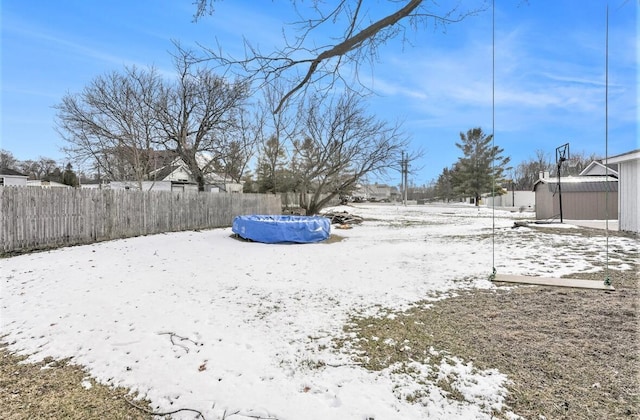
(553, 281)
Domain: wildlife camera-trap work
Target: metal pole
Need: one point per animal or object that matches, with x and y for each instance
(560, 190)
(562, 154)
(404, 187)
(406, 179)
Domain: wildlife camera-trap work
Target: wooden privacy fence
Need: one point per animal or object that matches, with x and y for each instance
(292, 200)
(36, 218)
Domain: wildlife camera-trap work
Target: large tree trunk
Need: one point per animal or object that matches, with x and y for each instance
(200, 180)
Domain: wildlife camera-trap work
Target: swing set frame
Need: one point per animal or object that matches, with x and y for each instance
(562, 155)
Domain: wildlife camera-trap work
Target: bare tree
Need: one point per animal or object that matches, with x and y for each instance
(240, 146)
(527, 172)
(278, 131)
(7, 160)
(341, 144)
(110, 124)
(579, 162)
(195, 112)
(30, 168)
(47, 167)
(120, 121)
(330, 38)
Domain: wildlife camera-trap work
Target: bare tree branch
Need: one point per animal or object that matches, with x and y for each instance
(341, 144)
(121, 120)
(357, 44)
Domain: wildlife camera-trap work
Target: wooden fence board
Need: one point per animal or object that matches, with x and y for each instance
(36, 218)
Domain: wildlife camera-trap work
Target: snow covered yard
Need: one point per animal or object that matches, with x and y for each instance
(205, 321)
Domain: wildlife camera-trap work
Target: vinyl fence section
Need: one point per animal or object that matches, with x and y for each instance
(38, 218)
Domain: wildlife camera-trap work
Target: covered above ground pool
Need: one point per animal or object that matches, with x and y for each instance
(271, 229)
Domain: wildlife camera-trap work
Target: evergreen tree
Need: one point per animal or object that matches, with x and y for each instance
(444, 185)
(69, 177)
(272, 173)
(481, 170)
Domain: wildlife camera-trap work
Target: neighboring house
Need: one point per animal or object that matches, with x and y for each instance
(585, 197)
(152, 185)
(395, 194)
(523, 200)
(178, 173)
(175, 171)
(628, 190)
(224, 184)
(10, 177)
(46, 184)
(175, 176)
(94, 184)
(596, 168)
(375, 192)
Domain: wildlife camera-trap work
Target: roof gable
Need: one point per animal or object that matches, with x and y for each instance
(579, 183)
(596, 168)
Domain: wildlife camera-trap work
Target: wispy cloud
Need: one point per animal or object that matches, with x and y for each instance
(30, 92)
(69, 45)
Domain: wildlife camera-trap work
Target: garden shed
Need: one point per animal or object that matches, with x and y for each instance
(583, 197)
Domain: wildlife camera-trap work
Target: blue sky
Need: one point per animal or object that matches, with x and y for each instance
(549, 74)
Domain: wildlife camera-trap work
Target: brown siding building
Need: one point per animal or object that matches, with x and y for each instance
(583, 198)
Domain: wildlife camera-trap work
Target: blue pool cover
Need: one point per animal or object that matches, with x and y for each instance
(272, 229)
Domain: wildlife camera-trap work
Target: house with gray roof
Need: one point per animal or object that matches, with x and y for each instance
(11, 177)
(176, 176)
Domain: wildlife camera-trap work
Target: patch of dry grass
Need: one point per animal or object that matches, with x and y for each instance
(53, 389)
(569, 353)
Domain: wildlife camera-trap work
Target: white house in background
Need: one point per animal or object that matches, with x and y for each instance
(178, 173)
(95, 185)
(628, 190)
(375, 192)
(175, 176)
(596, 168)
(521, 200)
(10, 177)
(46, 184)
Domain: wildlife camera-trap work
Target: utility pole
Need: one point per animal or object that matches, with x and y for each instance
(404, 172)
(402, 177)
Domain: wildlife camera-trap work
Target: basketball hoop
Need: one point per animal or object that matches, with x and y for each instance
(562, 154)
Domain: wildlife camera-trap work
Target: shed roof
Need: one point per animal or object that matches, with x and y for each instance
(580, 184)
(11, 172)
(625, 157)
